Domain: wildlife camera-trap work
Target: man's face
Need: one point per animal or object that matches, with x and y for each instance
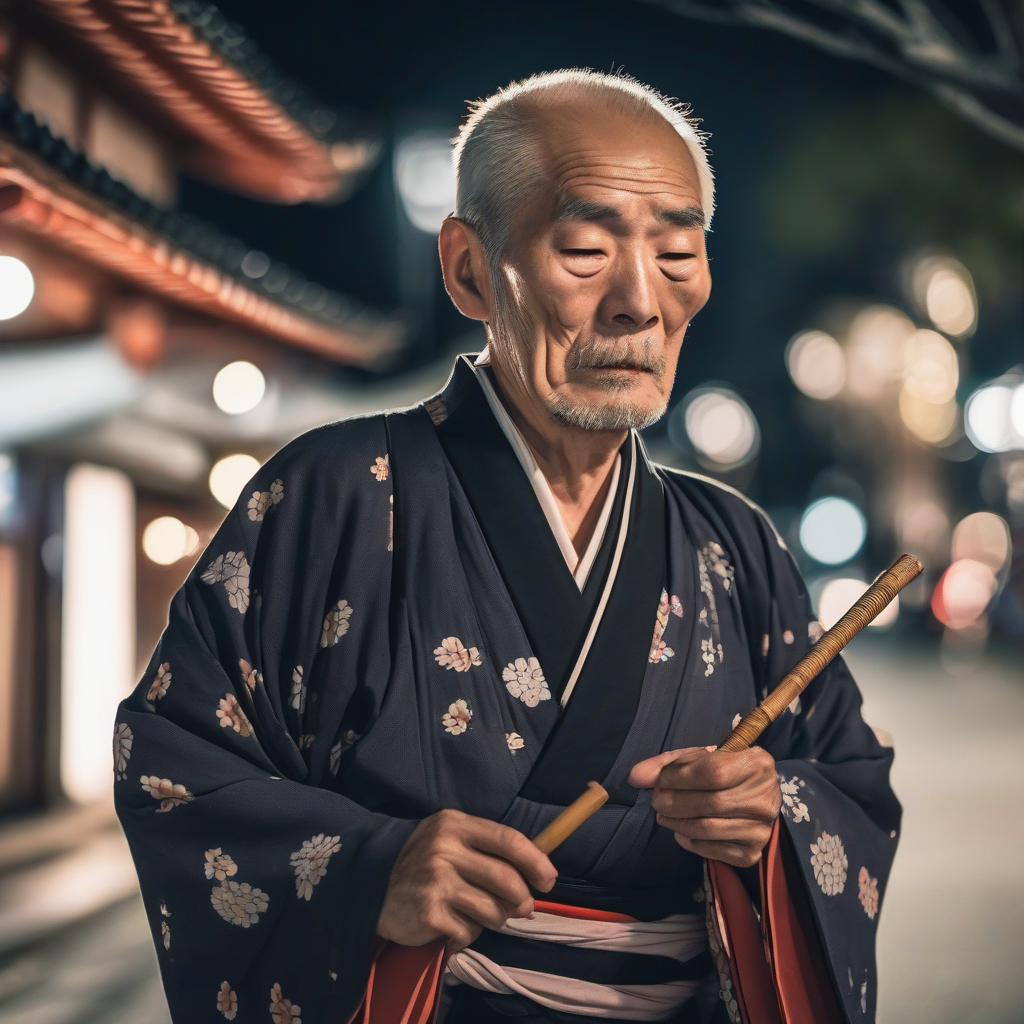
(604, 270)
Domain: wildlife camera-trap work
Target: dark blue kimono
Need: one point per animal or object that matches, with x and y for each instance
(380, 630)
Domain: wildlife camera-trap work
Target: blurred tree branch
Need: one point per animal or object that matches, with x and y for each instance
(971, 62)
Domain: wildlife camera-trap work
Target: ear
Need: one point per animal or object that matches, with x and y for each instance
(464, 266)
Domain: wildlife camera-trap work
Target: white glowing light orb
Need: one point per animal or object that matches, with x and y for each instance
(230, 475)
(987, 418)
(17, 286)
(1017, 412)
(721, 427)
(832, 530)
(876, 342)
(927, 421)
(817, 364)
(425, 176)
(949, 301)
(839, 595)
(238, 387)
(167, 539)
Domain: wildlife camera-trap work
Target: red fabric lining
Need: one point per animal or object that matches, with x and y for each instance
(580, 913)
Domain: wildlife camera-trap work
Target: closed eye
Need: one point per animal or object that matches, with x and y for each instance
(583, 252)
(677, 256)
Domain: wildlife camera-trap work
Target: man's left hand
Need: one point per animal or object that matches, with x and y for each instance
(721, 806)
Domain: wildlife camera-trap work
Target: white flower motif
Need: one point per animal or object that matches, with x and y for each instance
(164, 911)
(676, 606)
(123, 740)
(249, 675)
(707, 653)
(381, 467)
(765, 641)
(456, 719)
(239, 903)
(736, 719)
(232, 716)
(515, 741)
(165, 931)
(453, 654)
(232, 570)
(170, 794)
(787, 637)
(660, 651)
(868, 894)
(828, 858)
(262, 501)
(161, 682)
(283, 1011)
(795, 705)
(792, 806)
(525, 680)
(336, 623)
(227, 1001)
(298, 695)
(814, 631)
(310, 862)
(347, 740)
(219, 865)
(719, 564)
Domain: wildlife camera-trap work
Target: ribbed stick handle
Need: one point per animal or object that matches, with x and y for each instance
(873, 601)
(572, 817)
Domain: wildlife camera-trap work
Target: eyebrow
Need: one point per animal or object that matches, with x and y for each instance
(582, 209)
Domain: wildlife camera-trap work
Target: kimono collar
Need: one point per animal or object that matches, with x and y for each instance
(579, 566)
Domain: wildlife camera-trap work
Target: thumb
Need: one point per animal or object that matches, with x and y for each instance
(645, 775)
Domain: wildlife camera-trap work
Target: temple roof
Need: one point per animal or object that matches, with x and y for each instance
(241, 123)
(49, 189)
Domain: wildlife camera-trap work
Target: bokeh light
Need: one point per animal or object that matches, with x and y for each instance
(932, 368)
(927, 421)
(17, 286)
(425, 176)
(987, 418)
(230, 475)
(167, 539)
(837, 596)
(923, 528)
(875, 349)
(1017, 411)
(963, 593)
(817, 364)
(238, 387)
(983, 537)
(721, 426)
(944, 290)
(832, 530)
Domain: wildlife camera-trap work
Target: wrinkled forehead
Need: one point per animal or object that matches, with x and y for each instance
(593, 145)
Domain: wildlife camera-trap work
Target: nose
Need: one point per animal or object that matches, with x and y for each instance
(631, 302)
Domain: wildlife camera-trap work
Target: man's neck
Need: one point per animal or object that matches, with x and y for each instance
(577, 464)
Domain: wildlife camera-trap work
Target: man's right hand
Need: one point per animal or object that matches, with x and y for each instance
(457, 875)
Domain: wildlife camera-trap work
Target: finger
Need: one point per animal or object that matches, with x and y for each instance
(645, 774)
(719, 830)
(718, 770)
(736, 854)
(758, 801)
(511, 845)
(479, 907)
(461, 931)
(498, 878)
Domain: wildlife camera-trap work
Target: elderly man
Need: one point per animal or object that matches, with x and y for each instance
(419, 635)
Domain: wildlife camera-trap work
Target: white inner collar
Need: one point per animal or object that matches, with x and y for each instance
(579, 566)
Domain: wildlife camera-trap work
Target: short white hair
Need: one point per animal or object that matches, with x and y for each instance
(496, 165)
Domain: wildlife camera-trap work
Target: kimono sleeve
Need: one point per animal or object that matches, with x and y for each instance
(838, 809)
(261, 883)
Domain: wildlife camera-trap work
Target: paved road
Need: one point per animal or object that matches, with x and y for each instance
(951, 945)
(951, 939)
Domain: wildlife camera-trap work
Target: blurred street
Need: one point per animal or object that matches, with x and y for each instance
(76, 948)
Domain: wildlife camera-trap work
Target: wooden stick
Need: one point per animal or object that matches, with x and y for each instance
(874, 600)
(572, 817)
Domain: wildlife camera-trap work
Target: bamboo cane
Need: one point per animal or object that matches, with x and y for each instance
(871, 604)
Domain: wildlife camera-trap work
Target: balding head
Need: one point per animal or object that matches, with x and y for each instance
(500, 153)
